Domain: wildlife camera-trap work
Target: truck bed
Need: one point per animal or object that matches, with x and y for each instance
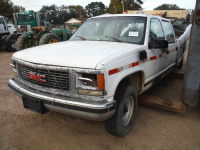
(185, 36)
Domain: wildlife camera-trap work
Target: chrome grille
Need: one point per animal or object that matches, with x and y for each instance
(54, 79)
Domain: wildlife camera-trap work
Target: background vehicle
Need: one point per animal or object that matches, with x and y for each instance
(8, 35)
(38, 32)
(110, 60)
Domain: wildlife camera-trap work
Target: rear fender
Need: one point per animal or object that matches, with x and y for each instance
(41, 33)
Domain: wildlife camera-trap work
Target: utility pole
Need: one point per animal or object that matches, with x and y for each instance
(115, 8)
(122, 5)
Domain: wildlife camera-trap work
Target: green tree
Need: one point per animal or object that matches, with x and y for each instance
(168, 7)
(50, 13)
(65, 13)
(115, 6)
(57, 15)
(8, 8)
(95, 9)
(80, 11)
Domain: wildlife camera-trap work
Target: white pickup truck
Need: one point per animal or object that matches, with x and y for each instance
(99, 73)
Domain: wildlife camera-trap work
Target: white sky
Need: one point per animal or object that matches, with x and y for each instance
(148, 4)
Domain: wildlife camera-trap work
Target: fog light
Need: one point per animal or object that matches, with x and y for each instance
(90, 92)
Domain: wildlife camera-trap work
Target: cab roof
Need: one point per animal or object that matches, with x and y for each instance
(130, 15)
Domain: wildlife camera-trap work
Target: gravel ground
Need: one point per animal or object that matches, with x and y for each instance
(154, 129)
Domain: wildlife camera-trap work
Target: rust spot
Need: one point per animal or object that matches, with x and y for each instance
(167, 103)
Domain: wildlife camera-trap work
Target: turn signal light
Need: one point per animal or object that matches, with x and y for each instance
(101, 82)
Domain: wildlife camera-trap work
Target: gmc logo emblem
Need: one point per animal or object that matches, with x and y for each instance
(36, 77)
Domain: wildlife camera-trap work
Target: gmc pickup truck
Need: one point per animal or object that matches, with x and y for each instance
(99, 73)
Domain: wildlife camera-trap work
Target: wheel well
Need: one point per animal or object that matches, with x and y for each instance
(136, 79)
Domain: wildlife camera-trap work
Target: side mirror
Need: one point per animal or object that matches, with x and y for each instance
(159, 43)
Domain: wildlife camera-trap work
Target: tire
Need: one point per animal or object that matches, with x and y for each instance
(11, 43)
(49, 38)
(121, 123)
(180, 65)
(21, 43)
(69, 36)
(3, 42)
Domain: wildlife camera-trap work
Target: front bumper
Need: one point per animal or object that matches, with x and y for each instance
(98, 111)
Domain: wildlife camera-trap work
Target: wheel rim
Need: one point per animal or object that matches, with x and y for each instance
(13, 41)
(25, 45)
(128, 110)
(53, 41)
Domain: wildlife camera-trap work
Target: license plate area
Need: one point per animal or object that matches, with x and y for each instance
(34, 105)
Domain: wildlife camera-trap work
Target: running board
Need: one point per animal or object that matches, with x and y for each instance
(171, 105)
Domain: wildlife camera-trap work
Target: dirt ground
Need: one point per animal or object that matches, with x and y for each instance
(154, 129)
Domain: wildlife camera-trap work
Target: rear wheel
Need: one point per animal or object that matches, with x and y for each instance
(49, 38)
(122, 121)
(11, 43)
(180, 65)
(21, 43)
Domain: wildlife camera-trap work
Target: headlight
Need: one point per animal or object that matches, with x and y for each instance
(92, 84)
(90, 92)
(89, 79)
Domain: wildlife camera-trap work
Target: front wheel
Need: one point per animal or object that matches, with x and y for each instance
(122, 121)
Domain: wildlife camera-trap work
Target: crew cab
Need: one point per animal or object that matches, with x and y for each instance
(99, 73)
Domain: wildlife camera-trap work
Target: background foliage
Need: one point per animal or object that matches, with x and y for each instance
(8, 8)
(60, 14)
(168, 7)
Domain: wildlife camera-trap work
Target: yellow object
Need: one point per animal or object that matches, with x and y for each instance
(53, 41)
(25, 45)
(170, 13)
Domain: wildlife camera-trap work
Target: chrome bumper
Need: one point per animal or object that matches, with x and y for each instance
(98, 111)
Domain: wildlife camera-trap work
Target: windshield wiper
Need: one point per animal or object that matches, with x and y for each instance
(116, 39)
(81, 37)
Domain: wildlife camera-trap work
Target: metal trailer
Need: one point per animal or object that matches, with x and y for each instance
(191, 88)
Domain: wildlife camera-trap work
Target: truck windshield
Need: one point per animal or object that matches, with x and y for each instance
(115, 29)
(23, 18)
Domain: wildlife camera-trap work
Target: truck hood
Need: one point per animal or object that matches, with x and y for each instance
(76, 54)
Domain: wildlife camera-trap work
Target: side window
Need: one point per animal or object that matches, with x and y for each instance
(168, 32)
(109, 30)
(2, 21)
(156, 31)
(91, 29)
